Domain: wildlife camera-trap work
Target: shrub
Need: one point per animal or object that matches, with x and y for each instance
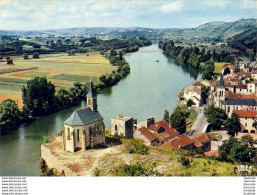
(137, 169)
(135, 146)
(46, 138)
(184, 161)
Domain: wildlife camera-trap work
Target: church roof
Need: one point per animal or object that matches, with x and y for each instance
(91, 91)
(221, 82)
(240, 101)
(83, 117)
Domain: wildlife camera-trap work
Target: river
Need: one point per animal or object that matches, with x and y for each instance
(150, 88)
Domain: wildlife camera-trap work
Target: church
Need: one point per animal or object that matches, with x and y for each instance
(85, 127)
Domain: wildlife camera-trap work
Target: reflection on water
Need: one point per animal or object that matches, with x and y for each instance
(150, 88)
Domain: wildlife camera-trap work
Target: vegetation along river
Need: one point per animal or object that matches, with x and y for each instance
(150, 88)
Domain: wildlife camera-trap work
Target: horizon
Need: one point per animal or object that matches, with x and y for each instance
(133, 26)
(63, 14)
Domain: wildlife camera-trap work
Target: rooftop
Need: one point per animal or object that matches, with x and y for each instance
(82, 117)
(246, 113)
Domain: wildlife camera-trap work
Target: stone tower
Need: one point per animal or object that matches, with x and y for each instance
(221, 90)
(91, 97)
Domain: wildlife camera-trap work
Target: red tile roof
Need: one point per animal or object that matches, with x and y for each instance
(201, 139)
(212, 153)
(241, 86)
(167, 127)
(162, 136)
(150, 136)
(230, 67)
(181, 142)
(246, 113)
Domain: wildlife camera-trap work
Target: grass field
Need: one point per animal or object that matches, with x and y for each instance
(62, 70)
(219, 66)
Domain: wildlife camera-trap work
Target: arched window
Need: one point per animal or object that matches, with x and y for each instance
(116, 127)
(252, 131)
(68, 133)
(78, 135)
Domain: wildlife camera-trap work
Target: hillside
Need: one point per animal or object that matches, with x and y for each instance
(245, 41)
(116, 161)
(217, 30)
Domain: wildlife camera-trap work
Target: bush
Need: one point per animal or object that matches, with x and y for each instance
(46, 138)
(135, 146)
(138, 169)
(184, 161)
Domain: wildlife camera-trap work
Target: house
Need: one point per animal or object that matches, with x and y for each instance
(247, 118)
(191, 93)
(156, 134)
(202, 142)
(149, 138)
(123, 126)
(180, 142)
(85, 127)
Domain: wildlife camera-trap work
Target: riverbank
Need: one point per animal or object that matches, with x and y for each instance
(138, 95)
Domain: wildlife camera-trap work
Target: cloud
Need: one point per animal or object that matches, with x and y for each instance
(172, 7)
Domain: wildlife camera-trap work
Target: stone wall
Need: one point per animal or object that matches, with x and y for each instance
(53, 162)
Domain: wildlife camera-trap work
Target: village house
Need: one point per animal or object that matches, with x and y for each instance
(200, 143)
(193, 93)
(156, 134)
(247, 118)
(123, 126)
(85, 127)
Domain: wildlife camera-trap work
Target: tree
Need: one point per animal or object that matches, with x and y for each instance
(9, 61)
(232, 124)
(215, 116)
(35, 55)
(39, 97)
(178, 120)
(226, 71)
(10, 116)
(166, 116)
(234, 151)
(248, 139)
(190, 103)
(25, 56)
(64, 97)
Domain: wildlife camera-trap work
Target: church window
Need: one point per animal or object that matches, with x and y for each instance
(78, 135)
(68, 133)
(116, 128)
(245, 124)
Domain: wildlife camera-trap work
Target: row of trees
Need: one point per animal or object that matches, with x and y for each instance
(34, 55)
(193, 55)
(39, 98)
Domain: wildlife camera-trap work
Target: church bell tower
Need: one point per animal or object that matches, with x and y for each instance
(91, 97)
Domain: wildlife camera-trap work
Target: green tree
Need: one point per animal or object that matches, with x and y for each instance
(39, 97)
(35, 55)
(178, 120)
(215, 116)
(232, 124)
(64, 97)
(226, 71)
(25, 56)
(10, 116)
(9, 61)
(166, 116)
(190, 103)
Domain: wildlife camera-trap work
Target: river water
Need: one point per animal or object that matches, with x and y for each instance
(150, 88)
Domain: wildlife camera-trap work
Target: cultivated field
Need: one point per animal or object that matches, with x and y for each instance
(62, 70)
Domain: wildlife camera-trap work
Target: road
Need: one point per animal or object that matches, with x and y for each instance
(200, 124)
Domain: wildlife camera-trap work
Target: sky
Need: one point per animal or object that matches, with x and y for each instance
(56, 14)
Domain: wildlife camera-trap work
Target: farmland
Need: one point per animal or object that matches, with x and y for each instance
(62, 70)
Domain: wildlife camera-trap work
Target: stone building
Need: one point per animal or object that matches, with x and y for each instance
(85, 127)
(123, 126)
